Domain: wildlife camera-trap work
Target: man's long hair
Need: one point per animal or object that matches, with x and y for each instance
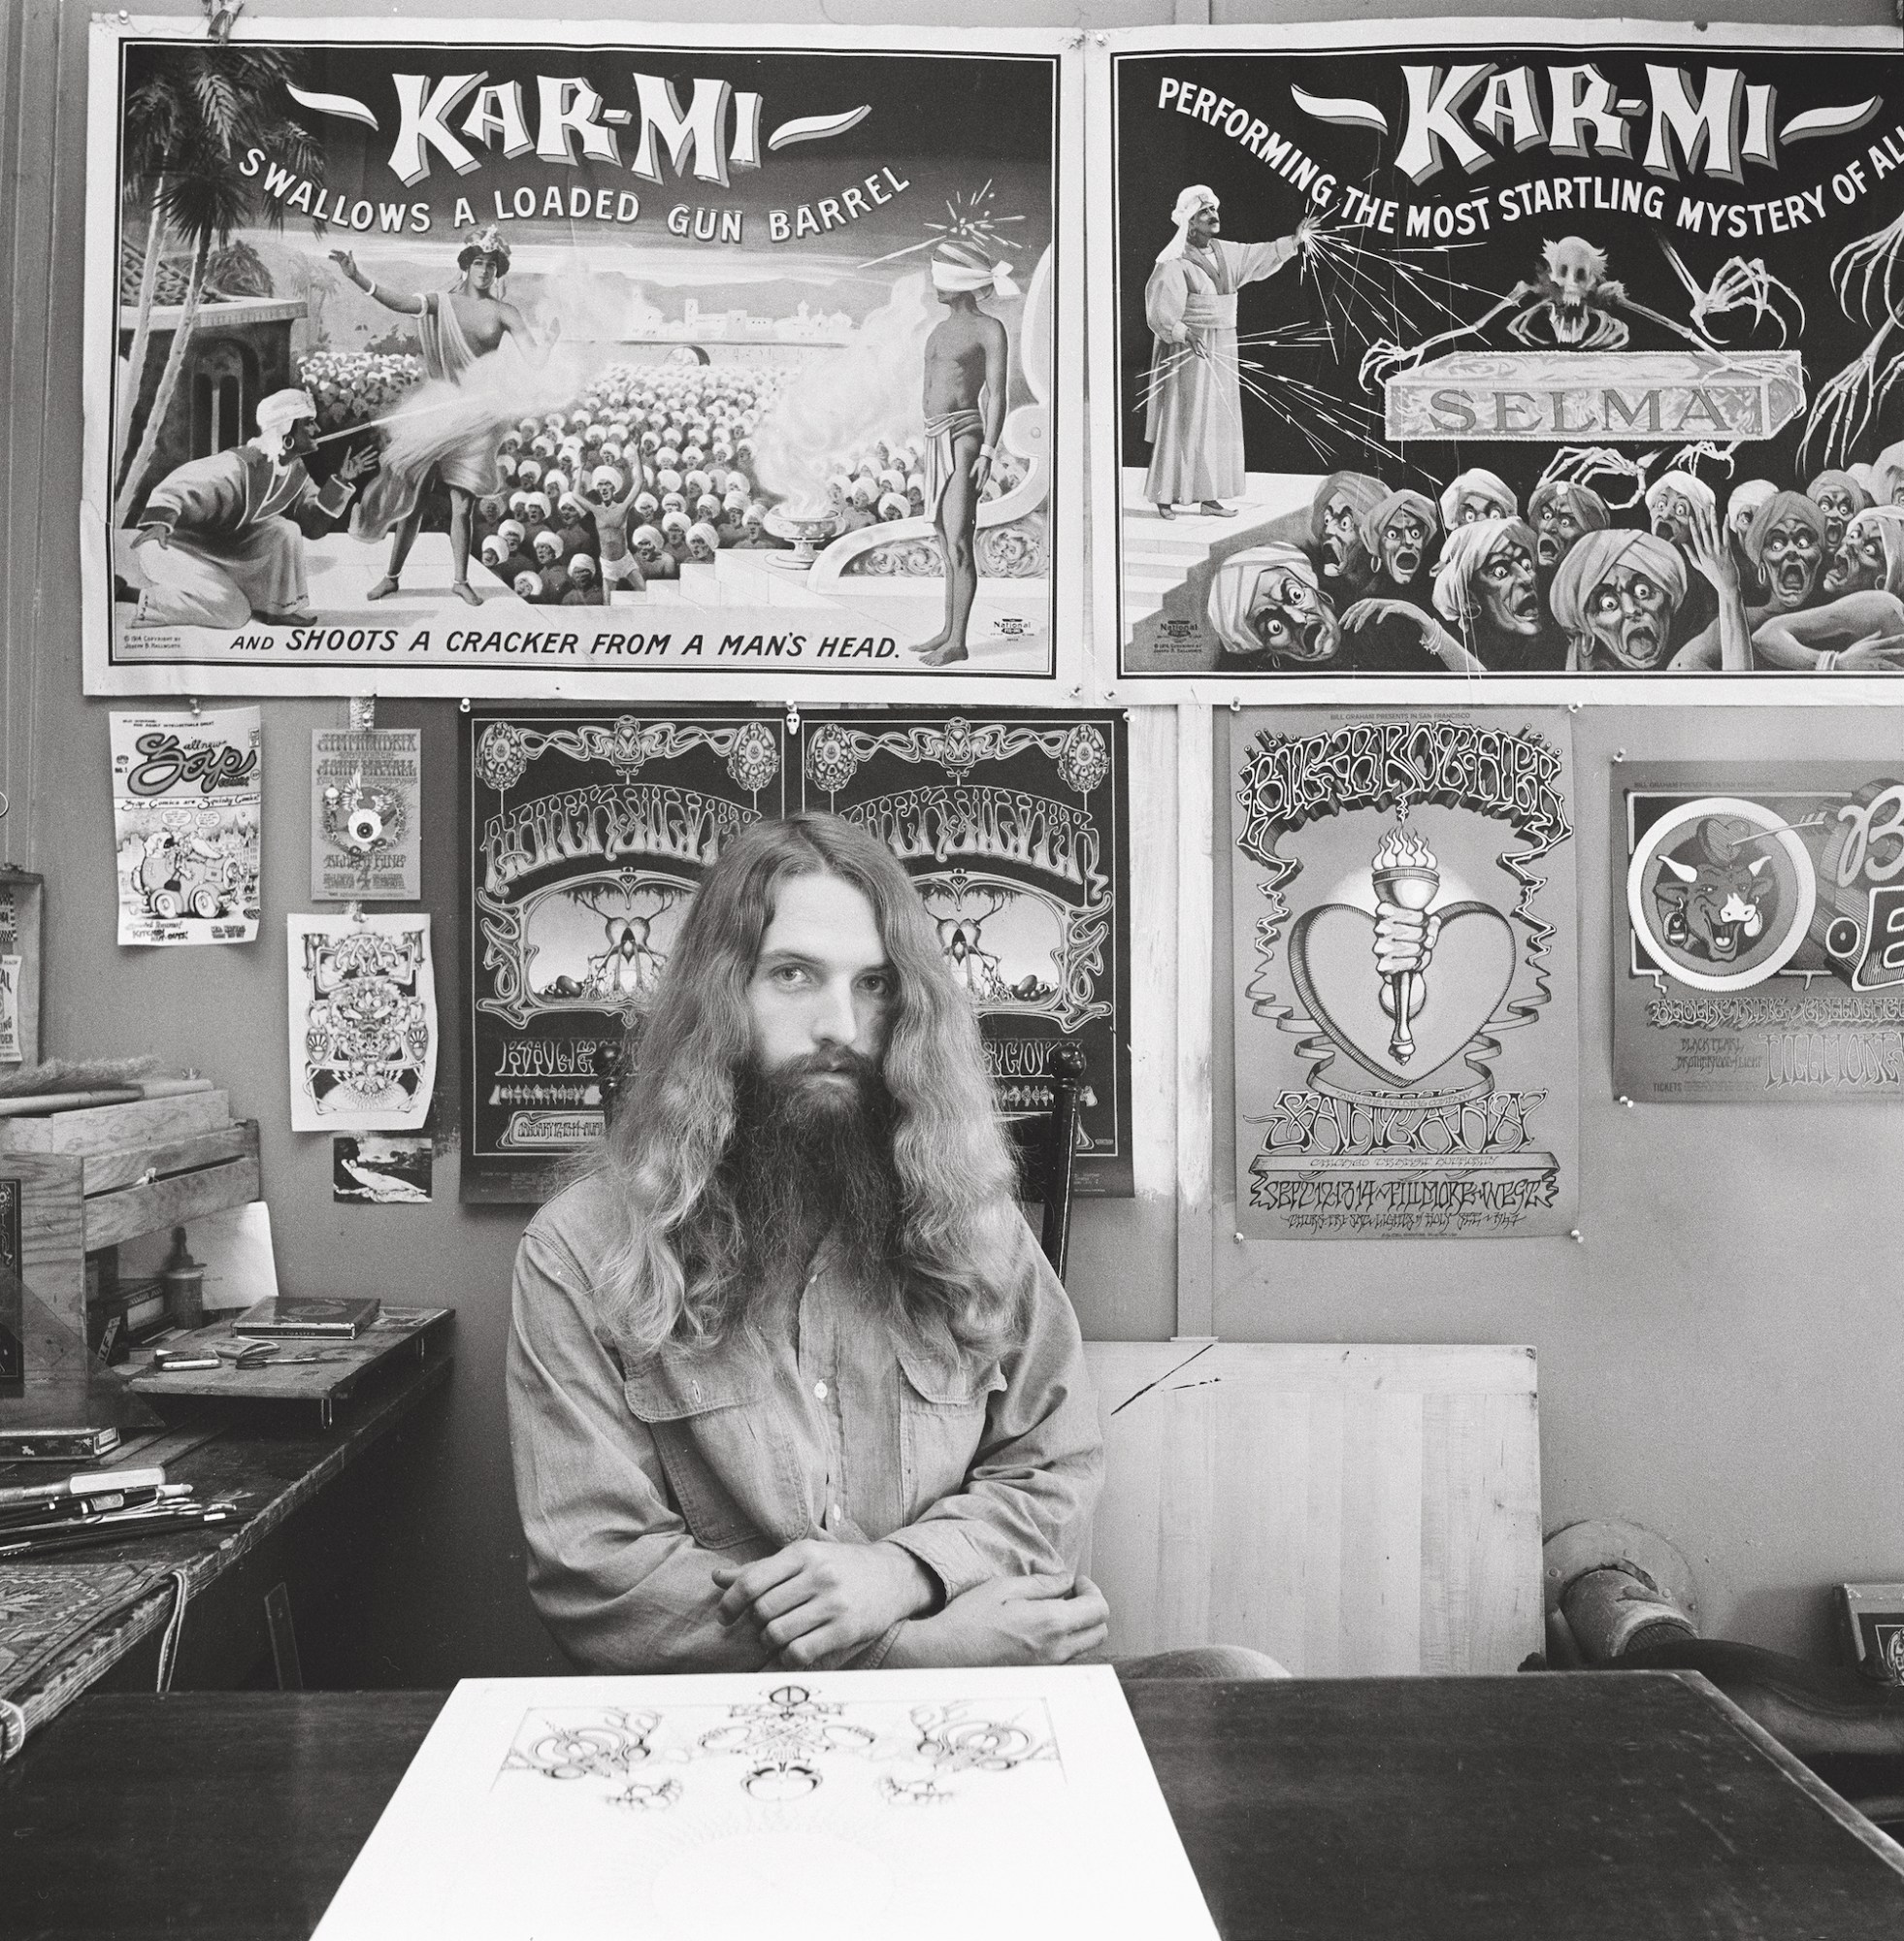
(676, 1269)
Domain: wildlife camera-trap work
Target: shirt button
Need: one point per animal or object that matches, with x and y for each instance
(820, 1390)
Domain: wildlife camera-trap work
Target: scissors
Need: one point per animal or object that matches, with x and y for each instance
(260, 1354)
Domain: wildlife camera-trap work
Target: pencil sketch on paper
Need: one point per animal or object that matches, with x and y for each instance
(805, 1806)
(780, 1749)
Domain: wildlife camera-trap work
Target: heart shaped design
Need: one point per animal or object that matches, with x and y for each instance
(1331, 956)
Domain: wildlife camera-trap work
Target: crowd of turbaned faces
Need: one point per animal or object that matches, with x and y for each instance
(664, 457)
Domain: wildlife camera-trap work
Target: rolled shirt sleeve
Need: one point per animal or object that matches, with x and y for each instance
(1033, 1480)
(613, 1572)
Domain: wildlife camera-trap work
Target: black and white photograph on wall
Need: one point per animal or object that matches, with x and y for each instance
(1553, 353)
(1406, 974)
(382, 1169)
(585, 836)
(1015, 829)
(712, 353)
(1756, 908)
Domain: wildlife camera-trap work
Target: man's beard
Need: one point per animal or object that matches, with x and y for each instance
(812, 1156)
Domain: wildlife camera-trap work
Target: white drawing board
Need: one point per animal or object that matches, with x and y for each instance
(1015, 1803)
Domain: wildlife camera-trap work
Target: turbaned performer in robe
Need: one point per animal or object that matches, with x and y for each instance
(1194, 419)
(214, 543)
(447, 438)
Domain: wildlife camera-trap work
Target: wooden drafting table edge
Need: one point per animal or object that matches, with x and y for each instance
(96, 1653)
(1795, 1769)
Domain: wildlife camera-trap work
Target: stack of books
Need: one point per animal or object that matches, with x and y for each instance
(100, 1507)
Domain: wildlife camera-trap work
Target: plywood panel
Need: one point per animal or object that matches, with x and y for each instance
(1352, 1511)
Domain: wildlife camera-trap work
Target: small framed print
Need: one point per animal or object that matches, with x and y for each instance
(23, 898)
(1873, 1626)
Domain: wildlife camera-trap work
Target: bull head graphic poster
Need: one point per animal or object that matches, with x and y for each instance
(1759, 958)
(1406, 974)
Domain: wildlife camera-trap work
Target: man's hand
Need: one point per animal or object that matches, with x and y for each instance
(1008, 1621)
(1405, 939)
(817, 1599)
(355, 465)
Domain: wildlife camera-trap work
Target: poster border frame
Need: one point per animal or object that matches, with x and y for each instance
(1431, 34)
(1067, 673)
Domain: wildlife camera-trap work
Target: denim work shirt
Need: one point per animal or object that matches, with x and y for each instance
(637, 1474)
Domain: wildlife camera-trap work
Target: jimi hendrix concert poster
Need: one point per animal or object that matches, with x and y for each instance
(1542, 350)
(585, 837)
(1760, 932)
(586, 834)
(424, 363)
(1015, 829)
(1406, 974)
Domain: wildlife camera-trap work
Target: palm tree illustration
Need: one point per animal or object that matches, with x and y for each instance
(190, 121)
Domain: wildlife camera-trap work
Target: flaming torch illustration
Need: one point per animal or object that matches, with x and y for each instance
(1403, 873)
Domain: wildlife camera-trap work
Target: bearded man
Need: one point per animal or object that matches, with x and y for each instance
(790, 1383)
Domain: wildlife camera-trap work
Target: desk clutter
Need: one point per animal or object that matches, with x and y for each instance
(229, 1361)
(108, 1506)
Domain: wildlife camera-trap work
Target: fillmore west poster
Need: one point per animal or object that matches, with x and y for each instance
(1540, 351)
(1406, 974)
(587, 833)
(1760, 934)
(1015, 828)
(429, 362)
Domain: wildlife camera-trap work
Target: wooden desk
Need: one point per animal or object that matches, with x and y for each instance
(277, 1468)
(1566, 1807)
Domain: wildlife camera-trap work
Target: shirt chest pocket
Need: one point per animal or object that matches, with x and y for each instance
(943, 1406)
(708, 1424)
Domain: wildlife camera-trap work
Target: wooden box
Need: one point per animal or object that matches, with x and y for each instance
(93, 1178)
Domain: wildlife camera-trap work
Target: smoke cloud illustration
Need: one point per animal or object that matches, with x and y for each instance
(840, 403)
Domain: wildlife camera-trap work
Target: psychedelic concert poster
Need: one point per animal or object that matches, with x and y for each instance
(186, 801)
(585, 836)
(1406, 974)
(1015, 829)
(517, 359)
(366, 814)
(363, 1022)
(1527, 352)
(1758, 908)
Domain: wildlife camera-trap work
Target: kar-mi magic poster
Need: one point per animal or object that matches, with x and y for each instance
(439, 363)
(1536, 350)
